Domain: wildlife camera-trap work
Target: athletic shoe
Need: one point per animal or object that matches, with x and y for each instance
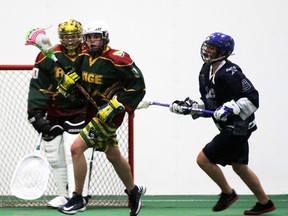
(75, 204)
(261, 209)
(225, 201)
(135, 199)
(57, 202)
(87, 198)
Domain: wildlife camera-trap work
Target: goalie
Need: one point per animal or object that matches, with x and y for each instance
(59, 119)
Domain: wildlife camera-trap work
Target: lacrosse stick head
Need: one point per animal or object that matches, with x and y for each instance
(31, 176)
(37, 37)
(144, 104)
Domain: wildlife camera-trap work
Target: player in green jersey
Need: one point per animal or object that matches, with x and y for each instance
(59, 119)
(101, 70)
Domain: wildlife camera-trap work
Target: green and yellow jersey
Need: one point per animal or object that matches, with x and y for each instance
(113, 66)
(43, 92)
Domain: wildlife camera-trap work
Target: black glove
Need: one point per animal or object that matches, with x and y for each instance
(178, 107)
(37, 119)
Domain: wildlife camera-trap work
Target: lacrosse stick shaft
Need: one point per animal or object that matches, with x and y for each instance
(39, 142)
(90, 169)
(37, 37)
(81, 88)
(210, 112)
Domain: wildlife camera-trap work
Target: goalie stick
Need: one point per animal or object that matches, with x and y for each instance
(37, 37)
(30, 178)
(146, 104)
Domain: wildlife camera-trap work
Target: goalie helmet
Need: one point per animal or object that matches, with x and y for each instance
(217, 46)
(71, 36)
(93, 29)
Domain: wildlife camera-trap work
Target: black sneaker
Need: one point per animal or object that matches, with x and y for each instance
(261, 209)
(87, 198)
(75, 204)
(135, 199)
(225, 201)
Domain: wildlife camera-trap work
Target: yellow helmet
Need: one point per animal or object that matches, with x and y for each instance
(71, 36)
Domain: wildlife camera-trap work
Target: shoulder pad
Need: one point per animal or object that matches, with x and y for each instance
(118, 57)
(58, 48)
(40, 57)
(231, 68)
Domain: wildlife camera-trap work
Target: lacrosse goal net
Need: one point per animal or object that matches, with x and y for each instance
(18, 139)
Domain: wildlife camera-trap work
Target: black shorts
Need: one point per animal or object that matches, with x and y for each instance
(71, 124)
(227, 148)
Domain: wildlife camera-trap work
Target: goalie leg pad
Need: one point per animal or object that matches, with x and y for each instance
(54, 150)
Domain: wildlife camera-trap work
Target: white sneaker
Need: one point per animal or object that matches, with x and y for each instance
(57, 202)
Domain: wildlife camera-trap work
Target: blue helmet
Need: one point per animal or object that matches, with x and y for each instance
(224, 45)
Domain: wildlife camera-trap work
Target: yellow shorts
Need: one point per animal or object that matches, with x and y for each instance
(99, 135)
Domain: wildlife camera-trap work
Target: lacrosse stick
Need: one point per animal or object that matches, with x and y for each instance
(146, 104)
(31, 175)
(90, 169)
(37, 37)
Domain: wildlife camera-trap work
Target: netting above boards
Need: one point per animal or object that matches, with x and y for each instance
(18, 138)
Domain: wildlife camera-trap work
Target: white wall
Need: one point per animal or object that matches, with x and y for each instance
(164, 38)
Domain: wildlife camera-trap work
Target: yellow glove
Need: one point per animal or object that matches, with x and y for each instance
(67, 83)
(109, 110)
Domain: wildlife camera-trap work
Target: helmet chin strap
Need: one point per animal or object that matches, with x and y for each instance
(218, 59)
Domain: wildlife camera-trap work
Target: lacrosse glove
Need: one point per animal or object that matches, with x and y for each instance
(182, 107)
(67, 83)
(109, 110)
(39, 122)
(226, 110)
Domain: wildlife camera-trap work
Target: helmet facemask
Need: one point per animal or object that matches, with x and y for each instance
(216, 47)
(211, 54)
(92, 49)
(71, 37)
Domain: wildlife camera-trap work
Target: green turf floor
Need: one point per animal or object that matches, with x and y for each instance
(163, 206)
